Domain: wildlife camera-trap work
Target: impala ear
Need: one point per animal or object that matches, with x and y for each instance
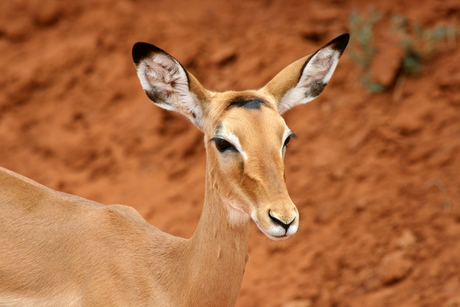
(303, 80)
(168, 84)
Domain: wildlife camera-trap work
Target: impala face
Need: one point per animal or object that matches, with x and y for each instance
(247, 143)
(245, 135)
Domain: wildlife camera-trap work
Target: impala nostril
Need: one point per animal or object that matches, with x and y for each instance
(279, 222)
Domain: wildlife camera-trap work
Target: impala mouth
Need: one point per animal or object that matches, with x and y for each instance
(276, 238)
(278, 233)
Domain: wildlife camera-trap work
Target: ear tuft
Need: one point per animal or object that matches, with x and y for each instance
(144, 50)
(339, 43)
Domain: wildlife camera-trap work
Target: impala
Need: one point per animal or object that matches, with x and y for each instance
(58, 249)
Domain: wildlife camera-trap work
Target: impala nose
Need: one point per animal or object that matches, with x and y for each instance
(278, 221)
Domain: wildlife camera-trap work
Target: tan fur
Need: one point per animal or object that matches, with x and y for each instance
(62, 250)
(286, 79)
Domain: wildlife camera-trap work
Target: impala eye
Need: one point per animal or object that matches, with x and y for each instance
(222, 145)
(289, 139)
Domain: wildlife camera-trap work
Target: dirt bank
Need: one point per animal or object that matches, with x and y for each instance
(376, 180)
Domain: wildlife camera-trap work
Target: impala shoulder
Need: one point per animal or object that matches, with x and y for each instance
(124, 222)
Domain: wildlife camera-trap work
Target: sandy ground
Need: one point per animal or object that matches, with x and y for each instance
(376, 179)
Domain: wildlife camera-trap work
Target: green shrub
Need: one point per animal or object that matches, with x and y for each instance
(416, 43)
(362, 50)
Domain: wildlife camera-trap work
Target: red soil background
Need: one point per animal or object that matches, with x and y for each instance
(376, 180)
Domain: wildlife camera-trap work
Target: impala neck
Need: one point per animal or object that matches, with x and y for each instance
(219, 252)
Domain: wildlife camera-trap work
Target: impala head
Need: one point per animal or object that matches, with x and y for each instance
(245, 135)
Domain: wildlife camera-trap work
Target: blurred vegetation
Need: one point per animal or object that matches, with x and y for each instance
(362, 50)
(416, 43)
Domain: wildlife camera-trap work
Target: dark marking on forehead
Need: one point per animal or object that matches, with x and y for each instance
(248, 103)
